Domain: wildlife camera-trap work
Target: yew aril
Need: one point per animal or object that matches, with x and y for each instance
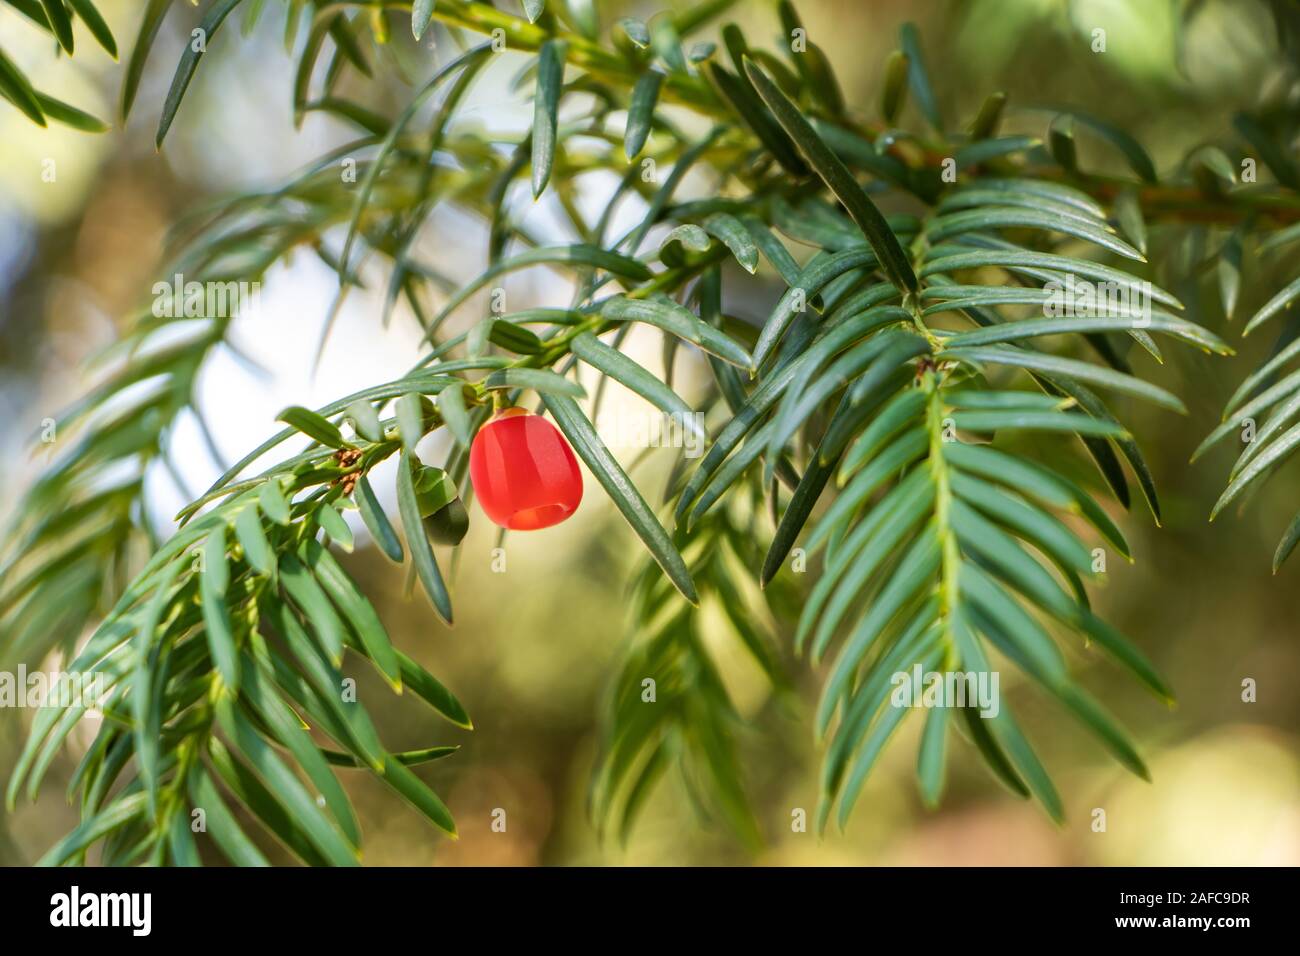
(524, 473)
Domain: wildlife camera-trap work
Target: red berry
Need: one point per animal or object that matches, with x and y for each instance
(523, 471)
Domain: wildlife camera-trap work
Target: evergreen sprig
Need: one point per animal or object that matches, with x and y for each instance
(908, 353)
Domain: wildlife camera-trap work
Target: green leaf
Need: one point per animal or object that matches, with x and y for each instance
(426, 566)
(61, 23)
(977, 197)
(902, 409)
(640, 112)
(212, 20)
(216, 621)
(577, 254)
(873, 744)
(357, 610)
(796, 514)
(678, 321)
(282, 782)
(892, 460)
(476, 340)
(688, 236)
(421, 14)
(514, 338)
(894, 88)
(727, 475)
(407, 758)
(740, 94)
(665, 41)
(1030, 263)
(449, 524)
(1279, 450)
(1101, 452)
(214, 559)
(451, 406)
(365, 420)
(328, 682)
(1114, 644)
(900, 350)
(1055, 194)
(861, 152)
(343, 32)
(334, 525)
(918, 77)
(414, 791)
(874, 540)
(588, 446)
(1274, 306)
(96, 25)
(1009, 217)
(1234, 410)
(762, 398)
(286, 727)
(839, 180)
(733, 234)
(434, 490)
(1095, 718)
(984, 150)
(307, 593)
(1138, 159)
(1082, 371)
(273, 503)
(917, 640)
(815, 276)
(1024, 476)
(930, 761)
(1229, 270)
(989, 117)
(16, 89)
(1128, 212)
(1287, 544)
(1034, 525)
(540, 380)
(121, 812)
(376, 521)
(62, 112)
(222, 825)
(262, 804)
(992, 752)
(150, 23)
(1060, 142)
(917, 565)
(546, 106)
(869, 364)
(1004, 729)
(977, 398)
(627, 372)
(1032, 328)
(635, 30)
(314, 426)
(146, 700)
(1208, 162)
(257, 550)
(410, 420)
(700, 52)
(1000, 616)
(425, 686)
(533, 9)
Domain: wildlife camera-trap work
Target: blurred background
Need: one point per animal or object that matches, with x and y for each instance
(535, 645)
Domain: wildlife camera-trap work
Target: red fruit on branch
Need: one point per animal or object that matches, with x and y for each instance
(524, 473)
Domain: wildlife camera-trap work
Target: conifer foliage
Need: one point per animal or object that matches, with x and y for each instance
(872, 424)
